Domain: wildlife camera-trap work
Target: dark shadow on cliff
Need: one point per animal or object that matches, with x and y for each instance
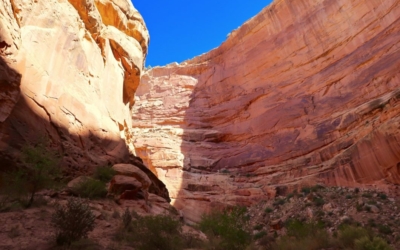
(80, 154)
(10, 81)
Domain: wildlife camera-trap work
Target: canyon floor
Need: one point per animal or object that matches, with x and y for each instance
(331, 207)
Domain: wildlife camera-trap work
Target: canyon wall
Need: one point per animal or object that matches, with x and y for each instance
(69, 70)
(305, 92)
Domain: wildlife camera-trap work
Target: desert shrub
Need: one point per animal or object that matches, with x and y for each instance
(227, 229)
(84, 244)
(290, 195)
(303, 236)
(349, 234)
(191, 241)
(316, 188)
(371, 222)
(377, 243)
(268, 210)
(104, 173)
(90, 188)
(384, 229)
(300, 229)
(383, 196)
(367, 195)
(40, 171)
(306, 190)
(318, 201)
(153, 233)
(279, 202)
(259, 235)
(72, 222)
(126, 219)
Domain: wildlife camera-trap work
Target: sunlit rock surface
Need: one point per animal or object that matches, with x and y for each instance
(306, 91)
(68, 73)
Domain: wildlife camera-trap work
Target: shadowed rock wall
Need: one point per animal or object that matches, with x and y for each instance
(306, 91)
(79, 63)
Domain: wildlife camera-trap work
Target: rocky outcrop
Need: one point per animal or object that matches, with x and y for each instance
(68, 73)
(306, 91)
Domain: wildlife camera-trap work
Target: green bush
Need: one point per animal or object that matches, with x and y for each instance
(367, 195)
(226, 229)
(290, 196)
(377, 243)
(126, 219)
(300, 229)
(318, 201)
(260, 235)
(317, 187)
(383, 196)
(306, 190)
(384, 229)
(40, 171)
(72, 222)
(90, 188)
(279, 202)
(303, 236)
(153, 233)
(84, 244)
(349, 234)
(268, 210)
(104, 173)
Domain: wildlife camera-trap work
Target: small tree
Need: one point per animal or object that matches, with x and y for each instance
(73, 221)
(227, 228)
(160, 232)
(40, 171)
(126, 219)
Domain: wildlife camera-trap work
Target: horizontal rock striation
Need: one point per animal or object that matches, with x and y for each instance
(68, 73)
(305, 92)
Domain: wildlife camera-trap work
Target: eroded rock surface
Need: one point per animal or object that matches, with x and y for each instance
(68, 72)
(306, 91)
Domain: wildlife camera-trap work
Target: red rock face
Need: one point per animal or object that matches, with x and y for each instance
(68, 72)
(305, 92)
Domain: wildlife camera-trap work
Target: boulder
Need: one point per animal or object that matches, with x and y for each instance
(120, 183)
(130, 170)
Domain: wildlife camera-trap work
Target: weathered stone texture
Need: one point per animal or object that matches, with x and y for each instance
(68, 72)
(306, 91)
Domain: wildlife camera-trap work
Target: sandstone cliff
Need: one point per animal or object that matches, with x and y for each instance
(70, 71)
(306, 91)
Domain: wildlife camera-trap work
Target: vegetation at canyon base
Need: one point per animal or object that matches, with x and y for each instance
(39, 171)
(95, 187)
(73, 221)
(301, 220)
(227, 229)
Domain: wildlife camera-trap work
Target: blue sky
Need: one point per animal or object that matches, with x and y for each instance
(182, 29)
